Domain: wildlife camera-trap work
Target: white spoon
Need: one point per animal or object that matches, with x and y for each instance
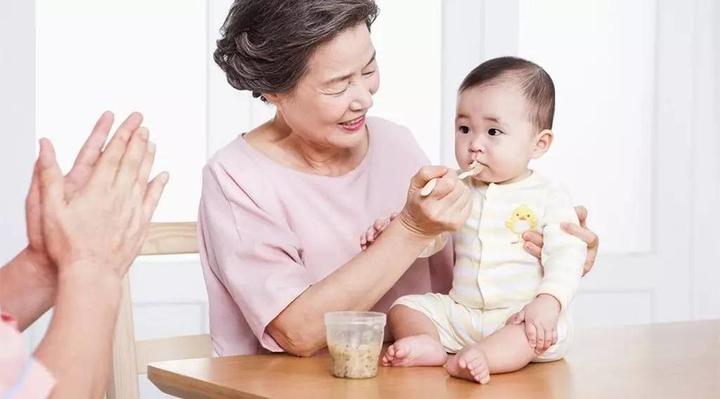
(475, 168)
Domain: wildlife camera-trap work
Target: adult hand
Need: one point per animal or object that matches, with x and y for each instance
(445, 209)
(534, 240)
(74, 180)
(103, 223)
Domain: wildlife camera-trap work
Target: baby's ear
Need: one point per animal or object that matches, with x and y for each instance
(543, 140)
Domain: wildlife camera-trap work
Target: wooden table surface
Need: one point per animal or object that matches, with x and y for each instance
(675, 360)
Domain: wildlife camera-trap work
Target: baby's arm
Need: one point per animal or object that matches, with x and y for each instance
(563, 256)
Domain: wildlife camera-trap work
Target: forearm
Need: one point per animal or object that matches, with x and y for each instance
(563, 255)
(562, 269)
(357, 285)
(26, 290)
(78, 344)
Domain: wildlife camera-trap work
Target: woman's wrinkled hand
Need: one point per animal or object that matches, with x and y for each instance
(102, 224)
(74, 180)
(445, 209)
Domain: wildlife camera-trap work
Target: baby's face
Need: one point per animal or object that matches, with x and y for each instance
(493, 127)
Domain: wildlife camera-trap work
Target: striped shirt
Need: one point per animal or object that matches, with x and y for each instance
(492, 270)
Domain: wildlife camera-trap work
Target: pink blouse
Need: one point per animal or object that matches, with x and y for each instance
(268, 232)
(21, 376)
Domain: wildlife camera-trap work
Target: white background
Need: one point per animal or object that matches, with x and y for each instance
(637, 136)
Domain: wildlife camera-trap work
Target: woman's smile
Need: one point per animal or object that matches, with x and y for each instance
(353, 125)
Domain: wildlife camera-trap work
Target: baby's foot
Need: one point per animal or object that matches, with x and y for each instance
(470, 364)
(417, 350)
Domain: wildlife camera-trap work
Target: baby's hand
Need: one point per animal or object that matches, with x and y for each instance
(541, 318)
(374, 231)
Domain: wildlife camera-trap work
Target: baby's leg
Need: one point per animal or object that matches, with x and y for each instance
(504, 351)
(417, 341)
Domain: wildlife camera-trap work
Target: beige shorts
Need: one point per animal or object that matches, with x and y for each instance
(459, 326)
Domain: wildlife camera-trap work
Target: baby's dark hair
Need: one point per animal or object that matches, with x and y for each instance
(535, 83)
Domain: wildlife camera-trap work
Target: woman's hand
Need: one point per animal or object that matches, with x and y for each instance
(74, 180)
(90, 225)
(534, 240)
(103, 223)
(445, 209)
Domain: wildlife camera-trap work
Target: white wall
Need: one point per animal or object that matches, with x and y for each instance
(124, 56)
(605, 85)
(705, 252)
(17, 118)
(409, 59)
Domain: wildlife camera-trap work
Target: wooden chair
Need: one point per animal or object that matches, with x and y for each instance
(131, 357)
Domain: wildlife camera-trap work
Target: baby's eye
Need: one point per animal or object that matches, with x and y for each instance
(494, 132)
(464, 129)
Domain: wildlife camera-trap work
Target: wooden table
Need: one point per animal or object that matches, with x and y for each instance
(676, 360)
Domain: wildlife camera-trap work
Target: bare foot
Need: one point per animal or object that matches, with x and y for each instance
(417, 350)
(470, 364)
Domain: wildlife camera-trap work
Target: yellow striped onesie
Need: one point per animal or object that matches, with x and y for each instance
(494, 277)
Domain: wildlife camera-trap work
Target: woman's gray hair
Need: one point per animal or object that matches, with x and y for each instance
(266, 44)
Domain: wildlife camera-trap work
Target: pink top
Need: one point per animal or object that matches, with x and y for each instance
(21, 377)
(268, 232)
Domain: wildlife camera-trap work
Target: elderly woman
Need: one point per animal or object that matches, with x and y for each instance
(284, 205)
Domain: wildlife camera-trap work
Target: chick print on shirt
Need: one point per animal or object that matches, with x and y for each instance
(521, 220)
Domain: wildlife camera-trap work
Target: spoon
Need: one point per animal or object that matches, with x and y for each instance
(475, 168)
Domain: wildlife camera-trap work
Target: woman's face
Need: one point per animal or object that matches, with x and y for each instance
(328, 106)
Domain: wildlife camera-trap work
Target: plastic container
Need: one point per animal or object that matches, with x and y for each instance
(355, 340)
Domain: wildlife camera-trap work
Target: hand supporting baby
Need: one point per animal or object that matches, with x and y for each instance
(541, 318)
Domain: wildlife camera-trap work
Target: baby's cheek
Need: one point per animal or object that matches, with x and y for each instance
(500, 164)
(509, 163)
(462, 152)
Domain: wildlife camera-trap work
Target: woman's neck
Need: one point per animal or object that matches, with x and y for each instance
(280, 143)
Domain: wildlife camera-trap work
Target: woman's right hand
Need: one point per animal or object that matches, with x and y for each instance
(445, 209)
(103, 224)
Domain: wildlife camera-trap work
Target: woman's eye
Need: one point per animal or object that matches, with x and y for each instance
(337, 93)
(494, 132)
(368, 73)
(464, 129)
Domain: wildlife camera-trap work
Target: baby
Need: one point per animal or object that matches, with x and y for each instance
(504, 309)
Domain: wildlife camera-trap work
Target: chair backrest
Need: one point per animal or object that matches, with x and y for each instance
(131, 357)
